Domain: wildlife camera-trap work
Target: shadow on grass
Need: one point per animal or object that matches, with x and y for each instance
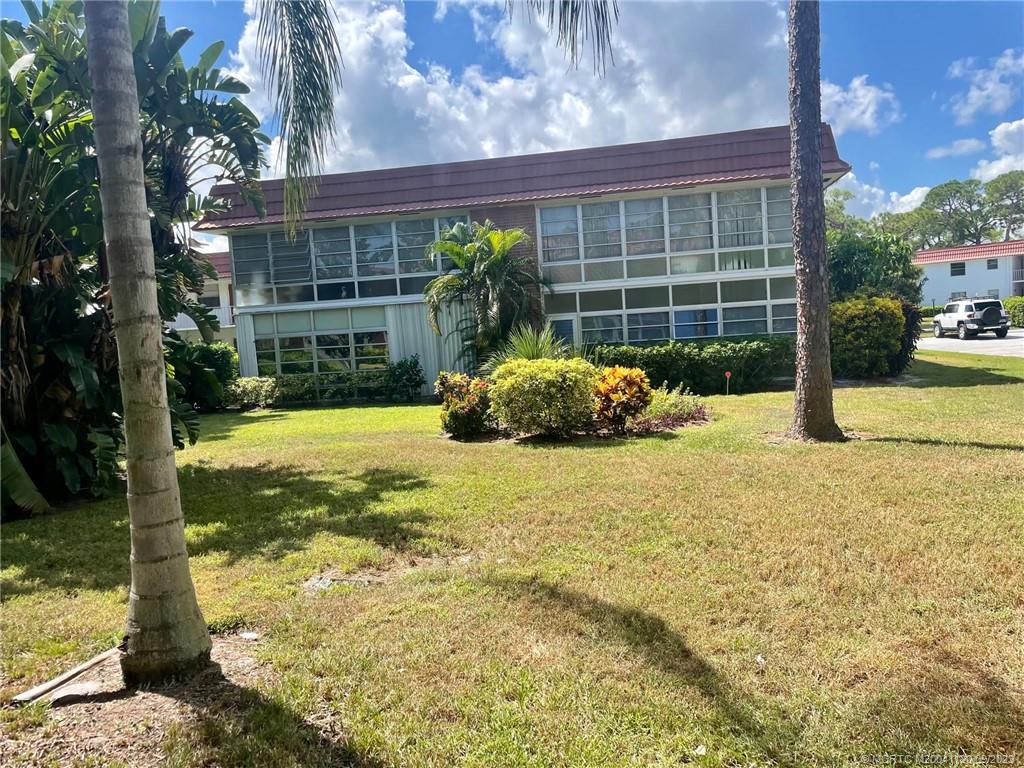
(247, 511)
(221, 426)
(924, 373)
(239, 726)
(952, 706)
(651, 639)
(935, 442)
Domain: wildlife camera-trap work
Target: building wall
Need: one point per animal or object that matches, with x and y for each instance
(940, 286)
(646, 267)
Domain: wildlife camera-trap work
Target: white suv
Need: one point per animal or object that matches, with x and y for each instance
(970, 317)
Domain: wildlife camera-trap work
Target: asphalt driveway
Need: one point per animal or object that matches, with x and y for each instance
(985, 344)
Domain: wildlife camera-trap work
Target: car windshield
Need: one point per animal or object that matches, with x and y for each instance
(981, 306)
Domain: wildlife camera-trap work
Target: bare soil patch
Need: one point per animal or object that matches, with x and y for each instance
(393, 570)
(94, 717)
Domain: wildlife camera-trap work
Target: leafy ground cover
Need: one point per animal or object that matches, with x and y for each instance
(712, 596)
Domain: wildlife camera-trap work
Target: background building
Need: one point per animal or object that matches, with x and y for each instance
(993, 270)
(219, 297)
(677, 239)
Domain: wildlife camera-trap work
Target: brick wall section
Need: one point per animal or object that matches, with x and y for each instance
(510, 217)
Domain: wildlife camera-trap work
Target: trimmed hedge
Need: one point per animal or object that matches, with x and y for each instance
(544, 397)
(866, 337)
(701, 366)
(931, 311)
(1015, 307)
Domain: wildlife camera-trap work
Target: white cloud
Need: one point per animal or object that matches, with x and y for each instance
(1008, 146)
(859, 107)
(991, 90)
(870, 200)
(956, 149)
(679, 70)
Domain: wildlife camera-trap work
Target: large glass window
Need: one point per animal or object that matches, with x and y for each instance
(694, 293)
(739, 218)
(648, 327)
(559, 234)
(332, 249)
(601, 329)
(564, 329)
(732, 260)
(783, 318)
(413, 238)
(695, 323)
(743, 321)
(645, 226)
(780, 215)
(743, 290)
(602, 236)
(689, 223)
(375, 253)
(290, 260)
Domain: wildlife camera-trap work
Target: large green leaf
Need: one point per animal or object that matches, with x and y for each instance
(17, 484)
(61, 435)
(209, 57)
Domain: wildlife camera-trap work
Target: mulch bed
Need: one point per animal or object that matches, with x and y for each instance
(94, 717)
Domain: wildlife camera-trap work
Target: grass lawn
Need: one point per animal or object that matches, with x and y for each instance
(707, 597)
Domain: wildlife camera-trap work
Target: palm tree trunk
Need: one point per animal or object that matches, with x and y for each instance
(813, 417)
(166, 634)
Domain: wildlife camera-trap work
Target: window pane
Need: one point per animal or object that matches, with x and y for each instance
(374, 253)
(601, 329)
(251, 297)
(289, 322)
(335, 291)
(413, 238)
(563, 329)
(696, 293)
(602, 236)
(263, 324)
(560, 303)
(783, 287)
(737, 321)
(333, 252)
(293, 294)
(372, 288)
(368, 317)
(655, 296)
(695, 323)
(325, 319)
(743, 290)
(604, 270)
(568, 274)
(645, 231)
(290, 258)
(646, 267)
(648, 326)
(686, 265)
(780, 257)
(741, 260)
(414, 285)
(689, 220)
(739, 218)
(595, 301)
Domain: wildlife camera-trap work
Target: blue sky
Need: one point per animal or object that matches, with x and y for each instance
(919, 92)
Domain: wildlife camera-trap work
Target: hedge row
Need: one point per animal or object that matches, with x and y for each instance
(1015, 307)
(870, 337)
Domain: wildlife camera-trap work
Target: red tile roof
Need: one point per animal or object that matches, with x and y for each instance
(762, 153)
(221, 261)
(968, 252)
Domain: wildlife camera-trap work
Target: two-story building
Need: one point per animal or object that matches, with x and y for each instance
(678, 239)
(989, 270)
(218, 296)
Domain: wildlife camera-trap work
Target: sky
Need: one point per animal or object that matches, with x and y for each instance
(917, 92)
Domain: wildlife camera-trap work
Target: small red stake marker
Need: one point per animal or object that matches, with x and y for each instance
(728, 375)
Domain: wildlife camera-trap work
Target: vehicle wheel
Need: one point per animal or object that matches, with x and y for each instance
(961, 332)
(1001, 333)
(937, 330)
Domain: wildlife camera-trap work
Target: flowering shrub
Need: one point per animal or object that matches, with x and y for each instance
(620, 394)
(465, 404)
(668, 409)
(545, 397)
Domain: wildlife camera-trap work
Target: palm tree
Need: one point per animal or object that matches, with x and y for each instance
(166, 634)
(496, 284)
(813, 417)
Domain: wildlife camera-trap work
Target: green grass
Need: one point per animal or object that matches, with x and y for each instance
(709, 597)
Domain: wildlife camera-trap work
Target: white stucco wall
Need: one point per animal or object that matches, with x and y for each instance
(978, 280)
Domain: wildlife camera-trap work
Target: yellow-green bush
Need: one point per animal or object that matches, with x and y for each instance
(866, 336)
(620, 394)
(1015, 308)
(544, 397)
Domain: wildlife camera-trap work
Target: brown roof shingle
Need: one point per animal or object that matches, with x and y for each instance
(761, 153)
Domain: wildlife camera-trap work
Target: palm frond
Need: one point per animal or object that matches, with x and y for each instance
(302, 64)
(577, 22)
(17, 484)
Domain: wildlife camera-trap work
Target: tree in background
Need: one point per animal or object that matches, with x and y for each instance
(1005, 197)
(496, 284)
(961, 212)
(872, 263)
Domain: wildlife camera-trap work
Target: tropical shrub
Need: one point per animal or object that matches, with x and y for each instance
(701, 366)
(405, 379)
(251, 392)
(296, 389)
(59, 359)
(527, 343)
(491, 281)
(908, 339)
(866, 337)
(203, 370)
(876, 263)
(544, 397)
(465, 405)
(1015, 307)
(669, 409)
(619, 395)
